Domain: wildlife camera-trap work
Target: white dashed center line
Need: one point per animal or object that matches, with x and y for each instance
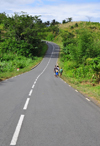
(30, 92)
(18, 128)
(16, 134)
(33, 86)
(26, 104)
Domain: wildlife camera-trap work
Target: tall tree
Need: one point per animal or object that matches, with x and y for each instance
(23, 34)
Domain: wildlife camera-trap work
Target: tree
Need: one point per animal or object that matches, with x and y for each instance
(54, 22)
(47, 23)
(63, 21)
(2, 17)
(23, 34)
(69, 19)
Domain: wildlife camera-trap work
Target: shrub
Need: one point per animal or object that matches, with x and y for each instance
(71, 27)
(83, 72)
(76, 25)
(50, 37)
(7, 65)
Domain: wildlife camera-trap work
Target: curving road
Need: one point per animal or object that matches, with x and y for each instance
(38, 109)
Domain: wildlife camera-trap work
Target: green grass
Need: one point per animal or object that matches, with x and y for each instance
(8, 74)
(24, 64)
(82, 85)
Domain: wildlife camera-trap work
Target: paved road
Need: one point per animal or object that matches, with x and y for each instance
(38, 109)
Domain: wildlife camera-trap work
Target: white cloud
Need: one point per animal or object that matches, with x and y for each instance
(78, 12)
(17, 1)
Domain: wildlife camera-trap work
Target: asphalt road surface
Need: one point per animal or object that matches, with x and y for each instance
(38, 109)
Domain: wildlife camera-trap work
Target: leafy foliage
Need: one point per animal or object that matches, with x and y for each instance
(20, 41)
(23, 34)
(81, 50)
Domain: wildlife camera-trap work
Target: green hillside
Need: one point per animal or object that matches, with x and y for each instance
(80, 55)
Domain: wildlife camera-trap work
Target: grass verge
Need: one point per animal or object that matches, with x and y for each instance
(36, 61)
(82, 85)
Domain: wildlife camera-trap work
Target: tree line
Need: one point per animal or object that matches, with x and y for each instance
(22, 34)
(21, 38)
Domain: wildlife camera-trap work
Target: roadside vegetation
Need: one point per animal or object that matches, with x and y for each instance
(80, 55)
(20, 43)
(21, 46)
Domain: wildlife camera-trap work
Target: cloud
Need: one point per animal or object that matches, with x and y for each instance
(17, 1)
(78, 12)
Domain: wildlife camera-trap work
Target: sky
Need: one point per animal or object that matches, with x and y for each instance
(78, 10)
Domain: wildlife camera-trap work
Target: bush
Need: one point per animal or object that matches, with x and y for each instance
(6, 66)
(11, 62)
(50, 37)
(76, 25)
(71, 27)
(83, 72)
